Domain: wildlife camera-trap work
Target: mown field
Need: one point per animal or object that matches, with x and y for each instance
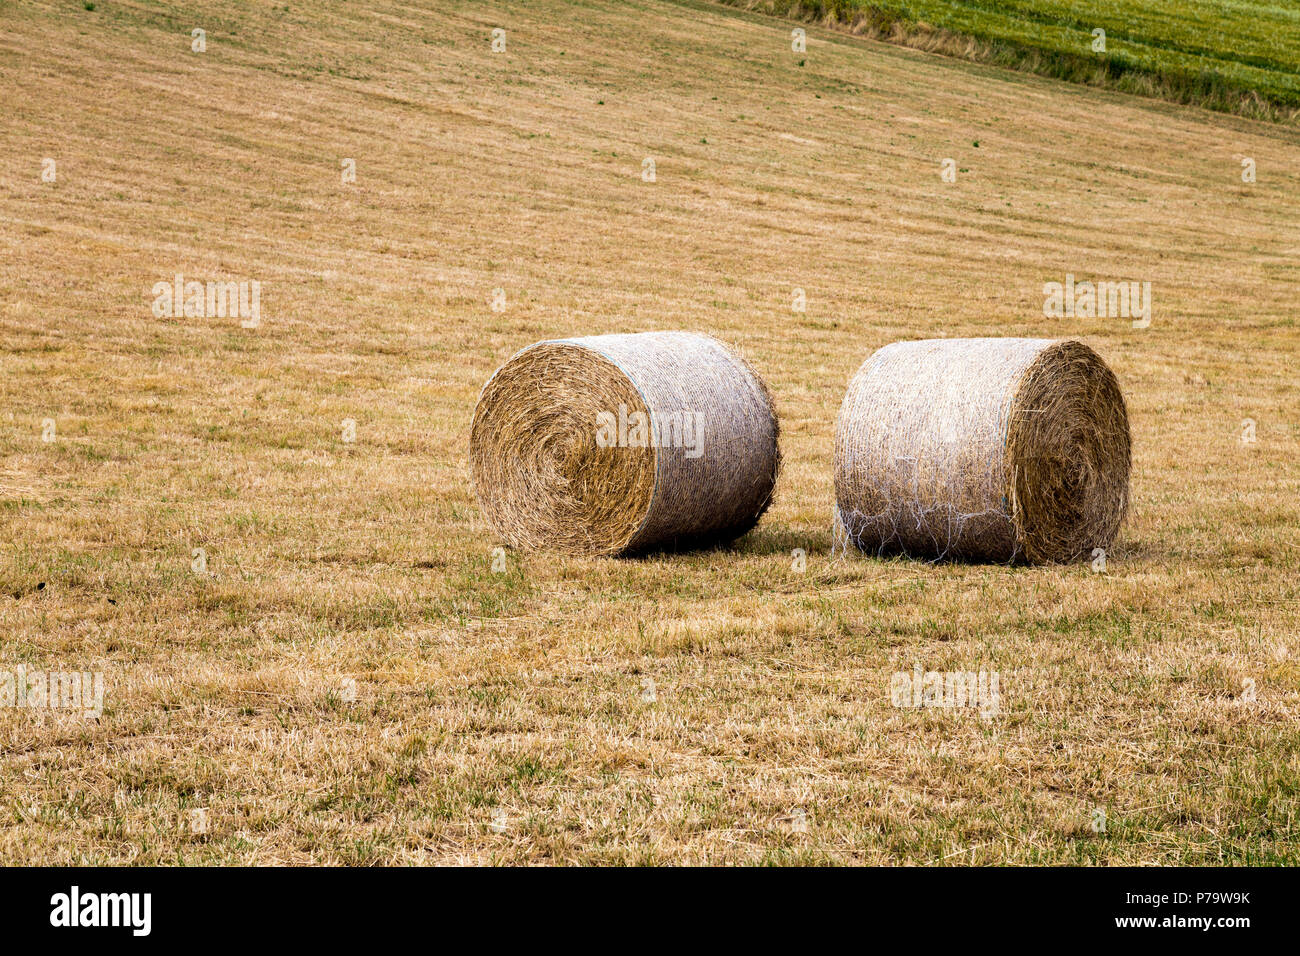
(1240, 56)
(344, 678)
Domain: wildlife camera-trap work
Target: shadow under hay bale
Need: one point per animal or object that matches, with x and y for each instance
(619, 444)
(983, 449)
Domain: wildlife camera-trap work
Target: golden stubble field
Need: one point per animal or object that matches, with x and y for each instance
(349, 681)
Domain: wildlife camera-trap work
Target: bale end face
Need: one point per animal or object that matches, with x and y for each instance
(1070, 453)
(540, 476)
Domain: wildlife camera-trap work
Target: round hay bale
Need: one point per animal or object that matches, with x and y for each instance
(983, 449)
(612, 444)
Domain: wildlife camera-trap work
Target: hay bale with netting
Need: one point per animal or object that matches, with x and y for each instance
(983, 449)
(613, 444)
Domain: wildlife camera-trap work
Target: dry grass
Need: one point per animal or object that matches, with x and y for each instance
(523, 697)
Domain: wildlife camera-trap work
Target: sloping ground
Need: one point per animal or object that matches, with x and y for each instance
(1238, 57)
(345, 678)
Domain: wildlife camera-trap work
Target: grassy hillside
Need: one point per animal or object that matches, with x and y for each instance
(344, 678)
(1241, 57)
